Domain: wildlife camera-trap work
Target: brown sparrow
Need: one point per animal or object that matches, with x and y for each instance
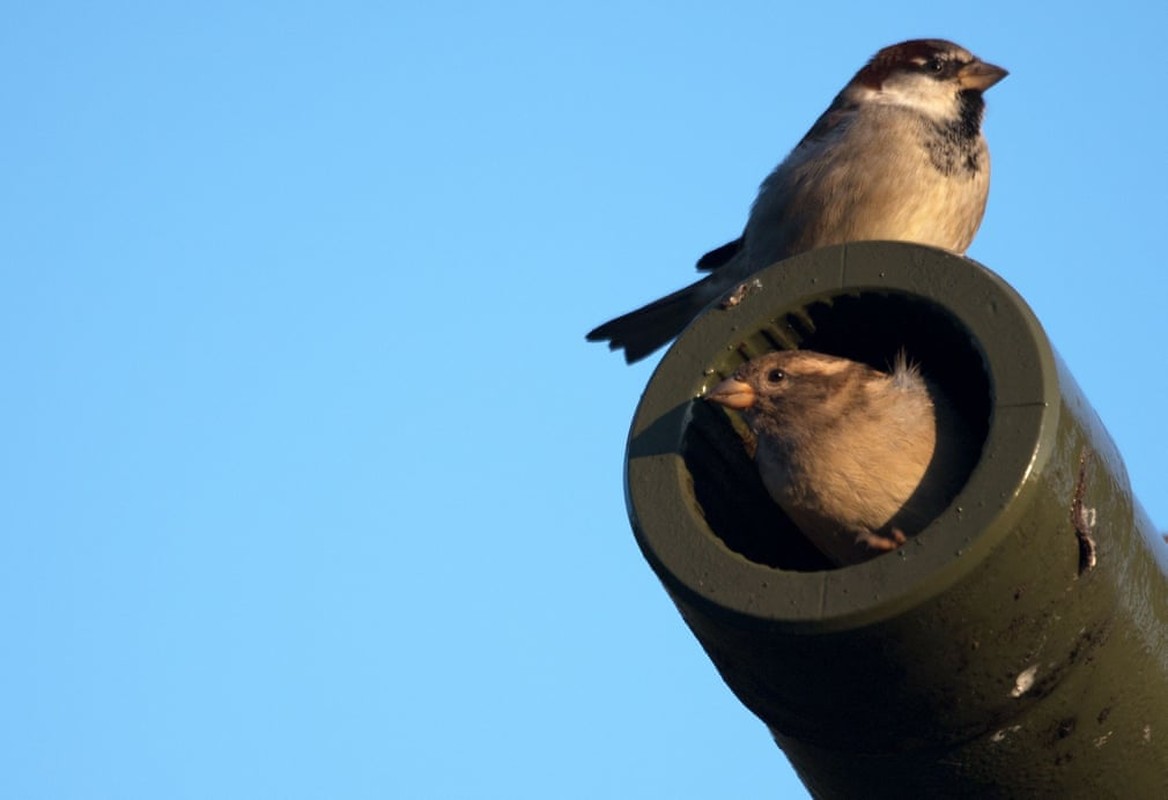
(898, 155)
(857, 458)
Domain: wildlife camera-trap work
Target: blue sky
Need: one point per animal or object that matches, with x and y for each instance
(311, 487)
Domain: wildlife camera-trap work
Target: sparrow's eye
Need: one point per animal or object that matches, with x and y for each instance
(775, 376)
(934, 65)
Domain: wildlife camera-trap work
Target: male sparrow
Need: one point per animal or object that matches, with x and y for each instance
(857, 458)
(898, 155)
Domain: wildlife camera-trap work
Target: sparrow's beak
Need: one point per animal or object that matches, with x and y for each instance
(732, 394)
(980, 76)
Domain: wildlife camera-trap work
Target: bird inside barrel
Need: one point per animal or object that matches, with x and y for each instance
(898, 155)
(859, 459)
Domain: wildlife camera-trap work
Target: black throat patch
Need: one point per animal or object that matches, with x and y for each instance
(953, 146)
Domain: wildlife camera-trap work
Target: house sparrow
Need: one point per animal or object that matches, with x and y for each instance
(857, 458)
(898, 155)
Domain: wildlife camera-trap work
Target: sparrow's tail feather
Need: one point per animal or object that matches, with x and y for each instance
(642, 331)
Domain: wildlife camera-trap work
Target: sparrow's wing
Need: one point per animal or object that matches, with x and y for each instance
(792, 205)
(719, 256)
(778, 213)
(829, 120)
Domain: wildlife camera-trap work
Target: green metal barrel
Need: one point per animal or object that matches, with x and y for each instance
(1016, 647)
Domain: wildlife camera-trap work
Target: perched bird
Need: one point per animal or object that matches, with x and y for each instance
(857, 458)
(898, 155)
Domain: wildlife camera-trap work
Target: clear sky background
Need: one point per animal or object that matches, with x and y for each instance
(310, 486)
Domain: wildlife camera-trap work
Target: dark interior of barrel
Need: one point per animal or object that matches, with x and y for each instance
(869, 327)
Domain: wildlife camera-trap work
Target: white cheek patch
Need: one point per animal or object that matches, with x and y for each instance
(920, 93)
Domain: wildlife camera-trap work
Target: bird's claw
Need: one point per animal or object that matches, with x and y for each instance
(876, 541)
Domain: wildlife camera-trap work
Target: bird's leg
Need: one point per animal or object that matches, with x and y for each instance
(877, 541)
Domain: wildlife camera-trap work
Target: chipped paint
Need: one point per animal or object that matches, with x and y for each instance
(1024, 681)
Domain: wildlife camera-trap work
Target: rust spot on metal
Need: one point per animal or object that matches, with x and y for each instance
(740, 292)
(1082, 517)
